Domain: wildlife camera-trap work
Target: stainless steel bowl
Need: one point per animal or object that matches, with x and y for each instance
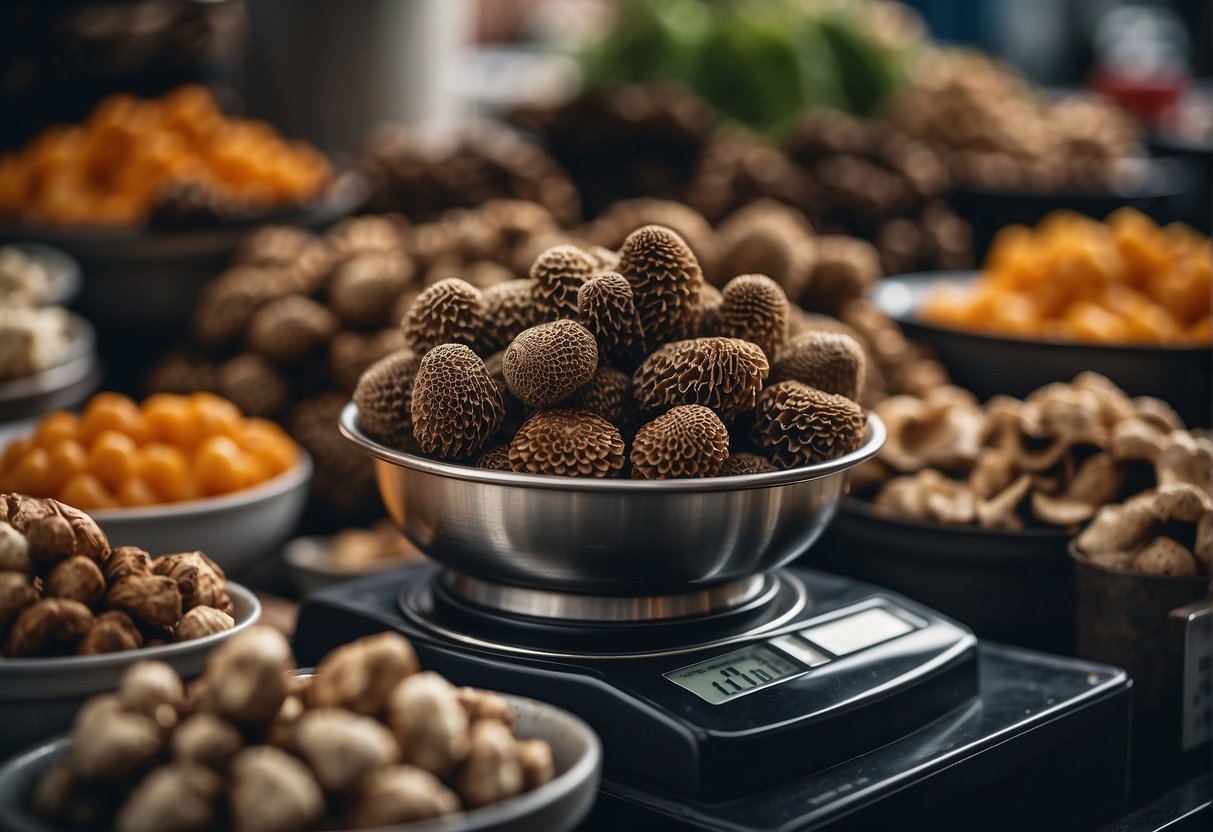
(606, 536)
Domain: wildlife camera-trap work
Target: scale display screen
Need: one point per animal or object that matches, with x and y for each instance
(733, 674)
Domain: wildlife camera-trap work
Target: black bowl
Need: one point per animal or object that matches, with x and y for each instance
(1014, 587)
(988, 365)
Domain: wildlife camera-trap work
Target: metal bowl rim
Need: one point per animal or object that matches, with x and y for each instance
(875, 440)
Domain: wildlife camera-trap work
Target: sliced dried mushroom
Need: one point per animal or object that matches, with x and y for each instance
(1181, 501)
(545, 364)
(47, 625)
(941, 431)
(360, 676)
(607, 308)
(993, 470)
(755, 309)
(456, 406)
(559, 273)
(927, 496)
(829, 361)
(725, 374)
(1165, 556)
(449, 312)
(665, 278)
(687, 441)
(1203, 547)
(797, 424)
(1002, 510)
(1097, 481)
(111, 632)
(384, 396)
(1118, 528)
(567, 443)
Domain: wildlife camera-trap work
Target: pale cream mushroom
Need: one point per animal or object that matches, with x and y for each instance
(1097, 481)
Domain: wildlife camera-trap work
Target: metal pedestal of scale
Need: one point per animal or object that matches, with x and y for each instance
(794, 700)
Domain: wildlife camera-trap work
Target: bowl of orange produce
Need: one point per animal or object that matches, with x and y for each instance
(169, 474)
(1125, 298)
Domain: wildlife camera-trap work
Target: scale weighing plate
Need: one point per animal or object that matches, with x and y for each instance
(813, 702)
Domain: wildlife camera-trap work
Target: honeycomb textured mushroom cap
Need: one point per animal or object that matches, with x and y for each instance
(665, 279)
(449, 312)
(828, 361)
(253, 384)
(291, 329)
(546, 363)
(606, 308)
(456, 407)
(509, 309)
(496, 458)
(800, 425)
(725, 374)
(754, 308)
(708, 315)
(365, 287)
(769, 238)
(845, 268)
(609, 395)
(605, 259)
(567, 443)
(687, 441)
(559, 273)
(743, 463)
(621, 218)
(384, 396)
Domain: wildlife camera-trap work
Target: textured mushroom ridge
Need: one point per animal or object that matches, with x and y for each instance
(558, 273)
(546, 363)
(708, 311)
(741, 464)
(290, 329)
(496, 458)
(800, 425)
(449, 312)
(754, 308)
(686, 441)
(508, 310)
(621, 218)
(829, 361)
(606, 308)
(609, 395)
(366, 286)
(384, 396)
(456, 406)
(665, 279)
(567, 443)
(724, 374)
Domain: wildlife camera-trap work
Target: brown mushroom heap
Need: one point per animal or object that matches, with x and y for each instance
(369, 741)
(1058, 459)
(63, 590)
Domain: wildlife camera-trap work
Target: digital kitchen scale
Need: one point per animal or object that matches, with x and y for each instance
(788, 700)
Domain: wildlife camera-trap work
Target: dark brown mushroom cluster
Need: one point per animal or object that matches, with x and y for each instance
(1067, 455)
(991, 129)
(370, 741)
(63, 591)
(615, 351)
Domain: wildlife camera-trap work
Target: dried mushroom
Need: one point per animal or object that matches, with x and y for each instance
(110, 744)
(384, 396)
(361, 676)
(456, 406)
(755, 309)
(799, 425)
(608, 394)
(496, 458)
(176, 798)
(559, 273)
(545, 364)
(17, 591)
(843, 270)
(53, 530)
(342, 748)
(742, 464)
(725, 374)
(47, 625)
(290, 329)
(567, 443)
(125, 561)
(606, 307)
(449, 312)
(246, 676)
(400, 794)
(687, 441)
(830, 361)
(365, 286)
(430, 723)
(201, 622)
(14, 550)
(154, 600)
(199, 579)
(491, 772)
(206, 740)
(1164, 556)
(509, 308)
(272, 791)
(665, 278)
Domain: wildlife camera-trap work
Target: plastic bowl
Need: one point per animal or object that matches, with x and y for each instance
(554, 807)
(39, 697)
(235, 530)
(989, 364)
(608, 536)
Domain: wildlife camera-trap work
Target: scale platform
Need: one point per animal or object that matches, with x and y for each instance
(795, 700)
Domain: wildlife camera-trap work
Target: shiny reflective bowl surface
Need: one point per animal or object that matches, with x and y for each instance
(607, 536)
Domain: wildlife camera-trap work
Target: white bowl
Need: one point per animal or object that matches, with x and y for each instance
(39, 697)
(553, 807)
(312, 568)
(235, 530)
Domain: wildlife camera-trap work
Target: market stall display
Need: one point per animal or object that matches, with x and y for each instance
(367, 741)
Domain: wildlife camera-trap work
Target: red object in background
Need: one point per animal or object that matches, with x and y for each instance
(1153, 99)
